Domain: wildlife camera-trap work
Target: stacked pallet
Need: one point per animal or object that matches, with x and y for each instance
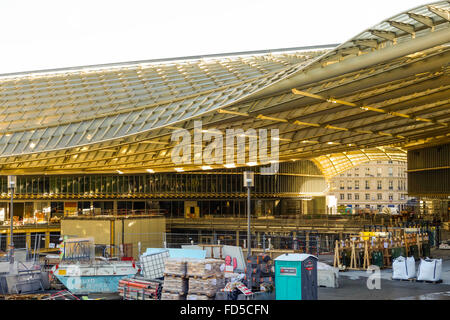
(139, 289)
(175, 281)
(207, 287)
(206, 278)
(204, 268)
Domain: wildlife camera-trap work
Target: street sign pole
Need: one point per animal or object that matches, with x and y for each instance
(11, 186)
(248, 183)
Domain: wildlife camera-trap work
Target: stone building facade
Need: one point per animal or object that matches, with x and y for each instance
(375, 185)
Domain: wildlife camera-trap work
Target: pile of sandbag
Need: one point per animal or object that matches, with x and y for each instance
(430, 270)
(403, 268)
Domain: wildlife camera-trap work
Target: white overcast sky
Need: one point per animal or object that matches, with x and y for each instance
(48, 34)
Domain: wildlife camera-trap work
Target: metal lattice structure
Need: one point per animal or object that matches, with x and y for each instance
(383, 90)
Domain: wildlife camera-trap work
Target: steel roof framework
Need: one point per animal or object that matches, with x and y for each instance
(387, 87)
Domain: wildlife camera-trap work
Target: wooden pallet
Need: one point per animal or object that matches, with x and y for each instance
(181, 293)
(24, 296)
(208, 294)
(202, 277)
(407, 280)
(172, 275)
(433, 282)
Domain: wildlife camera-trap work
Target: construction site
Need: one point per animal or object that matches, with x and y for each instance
(237, 176)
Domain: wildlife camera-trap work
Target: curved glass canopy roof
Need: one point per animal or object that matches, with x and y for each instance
(383, 90)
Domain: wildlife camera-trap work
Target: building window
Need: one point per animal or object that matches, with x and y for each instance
(356, 184)
(342, 196)
(341, 185)
(367, 172)
(367, 185)
(349, 185)
(390, 172)
(367, 196)
(349, 196)
(356, 196)
(390, 161)
(391, 185)
(391, 196)
(379, 196)
(379, 184)
(379, 172)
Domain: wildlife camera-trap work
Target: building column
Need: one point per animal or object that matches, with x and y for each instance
(115, 207)
(28, 240)
(47, 239)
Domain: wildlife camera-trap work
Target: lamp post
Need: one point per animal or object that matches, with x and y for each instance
(11, 186)
(248, 183)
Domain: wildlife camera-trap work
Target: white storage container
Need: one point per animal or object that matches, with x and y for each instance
(430, 270)
(403, 268)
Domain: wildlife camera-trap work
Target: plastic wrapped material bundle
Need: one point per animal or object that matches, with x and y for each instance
(205, 268)
(172, 296)
(175, 266)
(175, 284)
(430, 270)
(198, 297)
(403, 268)
(207, 286)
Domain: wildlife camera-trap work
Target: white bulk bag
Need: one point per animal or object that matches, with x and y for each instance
(403, 268)
(430, 270)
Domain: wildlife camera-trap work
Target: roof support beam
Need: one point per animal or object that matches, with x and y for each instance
(404, 27)
(443, 13)
(388, 35)
(422, 19)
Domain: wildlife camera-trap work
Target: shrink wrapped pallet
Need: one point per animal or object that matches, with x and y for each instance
(198, 297)
(175, 284)
(171, 296)
(205, 268)
(208, 286)
(175, 266)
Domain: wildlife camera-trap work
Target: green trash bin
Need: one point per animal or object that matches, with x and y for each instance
(377, 258)
(397, 252)
(360, 259)
(345, 258)
(414, 251)
(426, 250)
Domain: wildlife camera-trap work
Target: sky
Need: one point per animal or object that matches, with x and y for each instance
(48, 34)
